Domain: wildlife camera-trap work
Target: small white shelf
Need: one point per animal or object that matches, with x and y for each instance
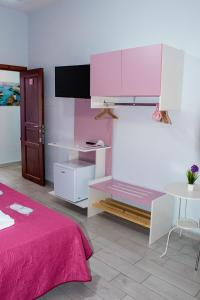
(104, 102)
(187, 224)
(116, 102)
(82, 204)
(80, 148)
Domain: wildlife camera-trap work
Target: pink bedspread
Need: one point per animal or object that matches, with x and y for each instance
(40, 251)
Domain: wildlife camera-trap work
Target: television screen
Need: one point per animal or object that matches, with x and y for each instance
(72, 81)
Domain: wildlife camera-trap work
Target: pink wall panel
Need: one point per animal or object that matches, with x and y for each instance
(87, 128)
(106, 74)
(141, 71)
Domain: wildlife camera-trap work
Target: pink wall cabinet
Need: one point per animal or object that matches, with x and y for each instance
(106, 74)
(141, 71)
(150, 71)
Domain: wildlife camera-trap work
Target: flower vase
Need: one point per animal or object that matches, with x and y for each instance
(190, 187)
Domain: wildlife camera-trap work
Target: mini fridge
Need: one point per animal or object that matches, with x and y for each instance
(71, 179)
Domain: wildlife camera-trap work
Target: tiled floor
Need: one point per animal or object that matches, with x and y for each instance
(123, 266)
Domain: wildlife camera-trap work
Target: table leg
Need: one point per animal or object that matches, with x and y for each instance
(179, 210)
(180, 234)
(197, 261)
(166, 248)
(185, 208)
(173, 228)
(179, 214)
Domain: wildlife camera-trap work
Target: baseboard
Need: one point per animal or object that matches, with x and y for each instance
(15, 163)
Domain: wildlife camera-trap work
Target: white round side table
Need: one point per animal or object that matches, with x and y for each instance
(180, 191)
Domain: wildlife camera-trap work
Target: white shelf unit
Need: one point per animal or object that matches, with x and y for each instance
(73, 153)
(81, 148)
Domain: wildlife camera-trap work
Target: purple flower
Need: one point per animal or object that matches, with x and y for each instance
(195, 169)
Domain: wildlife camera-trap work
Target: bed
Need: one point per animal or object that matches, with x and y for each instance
(41, 251)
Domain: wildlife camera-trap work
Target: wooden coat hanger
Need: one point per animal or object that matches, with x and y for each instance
(165, 118)
(106, 111)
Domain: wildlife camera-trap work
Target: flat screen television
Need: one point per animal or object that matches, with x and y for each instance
(72, 81)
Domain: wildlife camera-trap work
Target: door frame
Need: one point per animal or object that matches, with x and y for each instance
(20, 69)
(12, 68)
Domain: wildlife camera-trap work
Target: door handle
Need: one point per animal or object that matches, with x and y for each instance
(41, 134)
(41, 137)
(40, 127)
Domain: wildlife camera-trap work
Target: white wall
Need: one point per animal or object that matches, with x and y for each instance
(13, 51)
(68, 32)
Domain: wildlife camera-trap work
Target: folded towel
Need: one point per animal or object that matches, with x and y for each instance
(21, 209)
(5, 220)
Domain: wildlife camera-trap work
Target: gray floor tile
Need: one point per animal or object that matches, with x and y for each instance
(190, 249)
(95, 246)
(166, 290)
(134, 289)
(104, 289)
(155, 256)
(80, 292)
(128, 298)
(183, 270)
(171, 277)
(56, 294)
(198, 296)
(118, 250)
(133, 246)
(122, 266)
(102, 269)
(170, 252)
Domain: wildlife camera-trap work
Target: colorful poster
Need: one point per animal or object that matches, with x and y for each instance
(9, 94)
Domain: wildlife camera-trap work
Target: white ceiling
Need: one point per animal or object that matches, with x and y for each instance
(25, 5)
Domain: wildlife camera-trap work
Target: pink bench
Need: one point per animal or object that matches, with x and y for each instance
(128, 193)
(146, 207)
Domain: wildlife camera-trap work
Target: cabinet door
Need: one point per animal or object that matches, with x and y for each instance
(64, 183)
(106, 74)
(141, 71)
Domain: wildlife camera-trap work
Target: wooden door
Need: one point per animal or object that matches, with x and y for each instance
(32, 125)
(106, 74)
(141, 71)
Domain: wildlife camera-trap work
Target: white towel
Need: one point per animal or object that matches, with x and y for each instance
(5, 220)
(21, 209)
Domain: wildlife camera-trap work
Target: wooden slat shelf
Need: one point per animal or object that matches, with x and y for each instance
(127, 212)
